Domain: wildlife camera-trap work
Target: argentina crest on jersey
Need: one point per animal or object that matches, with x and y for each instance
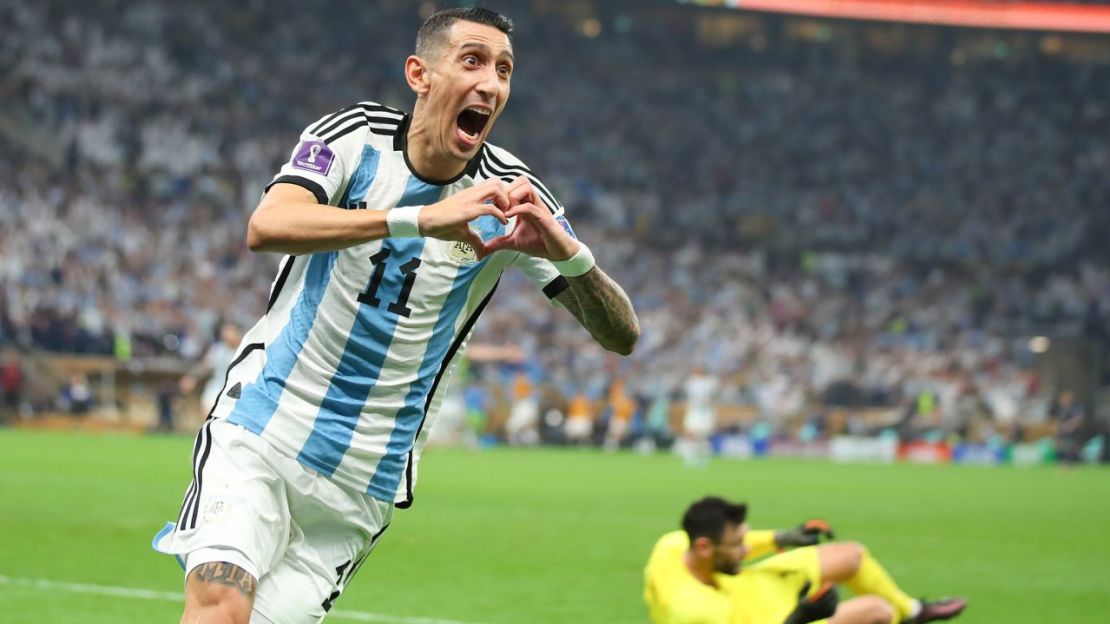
(487, 228)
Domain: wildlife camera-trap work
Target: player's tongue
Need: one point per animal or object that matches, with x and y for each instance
(472, 121)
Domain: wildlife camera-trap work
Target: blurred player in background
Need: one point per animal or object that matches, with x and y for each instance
(213, 366)
(397, 228)
(700, 419)
(695, 576)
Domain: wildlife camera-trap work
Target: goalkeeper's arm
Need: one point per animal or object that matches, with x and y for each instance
(821, 605)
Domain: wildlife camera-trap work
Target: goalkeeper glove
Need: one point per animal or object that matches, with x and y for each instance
(808, 533)
(819, 606)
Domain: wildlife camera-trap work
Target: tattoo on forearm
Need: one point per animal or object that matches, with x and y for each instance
(227, 574)
(604, 310)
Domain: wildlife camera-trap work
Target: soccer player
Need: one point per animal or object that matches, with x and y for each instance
(694, 576)
(213, 366)
(700, 419)
(396, 228)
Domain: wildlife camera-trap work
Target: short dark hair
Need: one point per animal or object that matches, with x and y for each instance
(709, 517)
(431, 34)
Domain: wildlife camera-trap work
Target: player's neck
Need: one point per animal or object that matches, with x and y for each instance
(703, 573)
(426, 159)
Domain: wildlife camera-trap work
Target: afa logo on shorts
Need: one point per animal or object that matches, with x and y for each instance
(314, 156)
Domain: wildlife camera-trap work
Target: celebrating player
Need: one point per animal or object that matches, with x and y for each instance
(695, 576)
(397, 227)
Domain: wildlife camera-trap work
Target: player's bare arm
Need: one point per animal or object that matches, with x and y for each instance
(599, 304)
(226, 574)
(289, 220)
(602, 307)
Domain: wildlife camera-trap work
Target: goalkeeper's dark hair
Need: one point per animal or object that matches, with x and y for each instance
(432, 34)
(709, 517)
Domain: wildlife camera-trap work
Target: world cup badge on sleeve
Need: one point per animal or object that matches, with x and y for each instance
(314, 156)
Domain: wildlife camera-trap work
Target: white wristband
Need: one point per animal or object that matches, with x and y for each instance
(578, 264)
(403, 222)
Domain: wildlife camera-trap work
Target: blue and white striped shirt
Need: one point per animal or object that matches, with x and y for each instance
(343, 371)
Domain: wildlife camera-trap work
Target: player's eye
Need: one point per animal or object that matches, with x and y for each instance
(470, 60)
(504, 70)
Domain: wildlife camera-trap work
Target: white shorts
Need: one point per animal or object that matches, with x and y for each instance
(300, 534)
(699, 423)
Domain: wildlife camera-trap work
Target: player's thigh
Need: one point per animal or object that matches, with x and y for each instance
(863, 610)
(839, 560)
(333, 532)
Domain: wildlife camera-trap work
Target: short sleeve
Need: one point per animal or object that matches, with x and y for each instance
(323, 157)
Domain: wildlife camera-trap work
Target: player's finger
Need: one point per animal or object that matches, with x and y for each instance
(520, 190)
(477, 210)
(526, 209)
(495, 191)
(505, 241)
(470, 237)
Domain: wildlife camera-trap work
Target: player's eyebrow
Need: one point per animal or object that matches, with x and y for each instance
(485, 48)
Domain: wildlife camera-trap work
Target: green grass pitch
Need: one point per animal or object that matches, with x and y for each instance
(533, 536)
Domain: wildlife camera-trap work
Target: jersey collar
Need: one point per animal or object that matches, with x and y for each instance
(401, 144)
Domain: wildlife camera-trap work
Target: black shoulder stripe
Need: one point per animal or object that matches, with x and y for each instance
(376, 125)
(497, 166)
(552, 205)
(339, 121)
(497, 161)
(316, 129)
(378, 108)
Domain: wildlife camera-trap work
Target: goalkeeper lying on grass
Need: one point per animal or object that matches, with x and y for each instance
(694, 576)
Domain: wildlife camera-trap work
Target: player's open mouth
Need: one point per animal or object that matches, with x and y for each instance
(471, 122)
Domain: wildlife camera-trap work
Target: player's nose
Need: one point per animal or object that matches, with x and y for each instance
(488, 85)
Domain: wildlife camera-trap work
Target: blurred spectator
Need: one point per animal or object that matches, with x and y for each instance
(11, 386)
(76, 396)
(1070, 418)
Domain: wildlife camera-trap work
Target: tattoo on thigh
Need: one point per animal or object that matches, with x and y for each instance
(228, 574)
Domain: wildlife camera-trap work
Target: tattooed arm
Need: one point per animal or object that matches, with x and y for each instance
(593, 298)
(220, 573)
(603, 309)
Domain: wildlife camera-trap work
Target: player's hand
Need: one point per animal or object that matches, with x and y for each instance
(537, 232)
(808, 533)
(821, 605)
(449, 219)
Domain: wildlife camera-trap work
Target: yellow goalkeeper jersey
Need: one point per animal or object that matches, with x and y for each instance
(763, 593)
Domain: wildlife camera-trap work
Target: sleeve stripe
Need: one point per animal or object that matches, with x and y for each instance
(507, 176)
(305, 183)
(555, 287)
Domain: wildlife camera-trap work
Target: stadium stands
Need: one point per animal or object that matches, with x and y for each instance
(862, 217)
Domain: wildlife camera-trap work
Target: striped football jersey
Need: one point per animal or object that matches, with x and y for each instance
(345, 369)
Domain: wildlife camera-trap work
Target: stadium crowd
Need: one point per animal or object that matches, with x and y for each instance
(815, 222)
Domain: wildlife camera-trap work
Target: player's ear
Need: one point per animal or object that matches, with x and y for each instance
(416, 74)
(702, 547)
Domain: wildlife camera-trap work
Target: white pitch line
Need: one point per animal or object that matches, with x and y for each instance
(150, 594)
